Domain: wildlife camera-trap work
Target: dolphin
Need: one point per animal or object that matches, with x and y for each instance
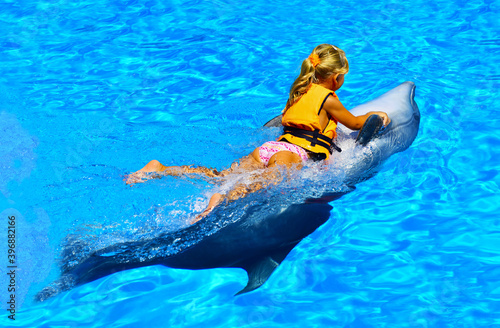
(256, 243)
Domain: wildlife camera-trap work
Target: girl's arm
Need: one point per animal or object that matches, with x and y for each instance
(334, 107)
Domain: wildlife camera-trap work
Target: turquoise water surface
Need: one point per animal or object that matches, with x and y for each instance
(93, 90)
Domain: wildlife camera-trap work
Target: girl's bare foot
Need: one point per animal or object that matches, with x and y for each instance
(136, 177)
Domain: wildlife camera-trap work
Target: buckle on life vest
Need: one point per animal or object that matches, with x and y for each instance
(314, 137)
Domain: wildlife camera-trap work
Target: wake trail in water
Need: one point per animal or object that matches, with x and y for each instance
(170, 220)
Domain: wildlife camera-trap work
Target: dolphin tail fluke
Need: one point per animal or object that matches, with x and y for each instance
(95, 266)
(260, 269)
(66, 282)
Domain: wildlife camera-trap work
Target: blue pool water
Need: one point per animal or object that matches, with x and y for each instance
(92, 90)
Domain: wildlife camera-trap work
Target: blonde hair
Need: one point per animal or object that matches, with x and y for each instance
(332, 60)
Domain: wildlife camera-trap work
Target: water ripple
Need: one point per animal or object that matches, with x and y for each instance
(416, 246)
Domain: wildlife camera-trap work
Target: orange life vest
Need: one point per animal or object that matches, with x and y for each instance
(302, 124)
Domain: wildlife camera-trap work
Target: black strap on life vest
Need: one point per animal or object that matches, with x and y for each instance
(314, 137)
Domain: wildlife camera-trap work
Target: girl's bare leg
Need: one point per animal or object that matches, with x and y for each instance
(156, 166)
(246, 164)
(141, 176)
(249, 163)
(214, 201)
(271, 176)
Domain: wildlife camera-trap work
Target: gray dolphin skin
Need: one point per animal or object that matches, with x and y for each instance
(255, 243)
(400, 105)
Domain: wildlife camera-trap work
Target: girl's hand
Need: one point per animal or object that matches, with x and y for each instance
(384, 116)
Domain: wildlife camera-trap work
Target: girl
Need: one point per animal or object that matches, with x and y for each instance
(310, 120)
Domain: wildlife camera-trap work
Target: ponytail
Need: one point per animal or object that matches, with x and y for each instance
(324, 61)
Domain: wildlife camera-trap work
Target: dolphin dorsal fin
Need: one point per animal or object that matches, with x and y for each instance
(260, 269)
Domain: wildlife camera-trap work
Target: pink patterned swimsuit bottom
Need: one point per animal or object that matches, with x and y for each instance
(267, 150)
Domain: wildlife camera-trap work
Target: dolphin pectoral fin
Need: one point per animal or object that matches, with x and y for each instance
(260, 269)
(370, 129)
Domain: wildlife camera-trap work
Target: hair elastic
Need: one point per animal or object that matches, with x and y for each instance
(314, 59)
